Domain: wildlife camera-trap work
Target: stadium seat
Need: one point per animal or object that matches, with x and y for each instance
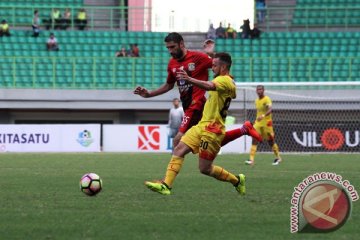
(326, 13)
(271, 56)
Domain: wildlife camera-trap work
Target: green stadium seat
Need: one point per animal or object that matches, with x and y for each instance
(119, 72)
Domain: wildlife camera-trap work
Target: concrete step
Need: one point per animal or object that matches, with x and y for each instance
(194, 41)
(101, 17)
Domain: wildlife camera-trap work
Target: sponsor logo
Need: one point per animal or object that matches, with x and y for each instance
(322, 202)
(24, 138)
(148, 137)
(191, 66)
(330, 139)
(84, 138)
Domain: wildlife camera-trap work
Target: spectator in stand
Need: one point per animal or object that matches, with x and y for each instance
(220, 31)
(246, 31)
(81, 20)
(52, 44)
(36, 24)
(261, 10)
(211, 34)
(255, 32)
(121, 53)
(55, 19)
(230, 32)
(135, 52)
(4, 29)
(66, 19)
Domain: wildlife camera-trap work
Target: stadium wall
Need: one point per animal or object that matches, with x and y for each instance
(122, 106)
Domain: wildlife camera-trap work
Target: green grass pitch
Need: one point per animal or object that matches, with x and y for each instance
(40, 197)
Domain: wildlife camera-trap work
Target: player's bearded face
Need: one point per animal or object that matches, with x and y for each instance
(175, 50)
(178, 53)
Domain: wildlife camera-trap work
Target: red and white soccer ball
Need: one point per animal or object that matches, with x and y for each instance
(91, 184)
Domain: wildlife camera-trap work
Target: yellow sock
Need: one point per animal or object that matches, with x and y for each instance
(252, 152)
(221, 174)
(275, 149)
(173, 169)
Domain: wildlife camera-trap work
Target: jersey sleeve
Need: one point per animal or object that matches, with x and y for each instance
(220, 84)
(205, 61)
(224, 85)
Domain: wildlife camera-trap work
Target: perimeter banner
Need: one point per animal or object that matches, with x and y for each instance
(50, 138)
(154, 138)
(318, 137)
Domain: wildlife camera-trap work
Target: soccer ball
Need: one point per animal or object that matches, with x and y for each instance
(91, 184)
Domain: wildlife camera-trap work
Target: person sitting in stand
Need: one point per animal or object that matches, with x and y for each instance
(4, 29)
(52, 44)
(211, 34)
(135, 50)
(230, 32)
(55, 19)
(121, 53)
(255, 32)
(66, 19)
(81, 20)
(220, 31)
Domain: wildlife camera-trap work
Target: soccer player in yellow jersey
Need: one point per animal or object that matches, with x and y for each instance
(205, 138)
(263, 125)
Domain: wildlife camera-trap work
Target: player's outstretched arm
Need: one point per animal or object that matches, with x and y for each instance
(209, 47)
(206, 85)
(143, 92)
(139, 90)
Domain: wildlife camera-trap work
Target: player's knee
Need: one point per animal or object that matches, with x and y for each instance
(206, 170)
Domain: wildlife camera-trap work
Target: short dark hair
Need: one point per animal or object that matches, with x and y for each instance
(225, 58)
(174, 37)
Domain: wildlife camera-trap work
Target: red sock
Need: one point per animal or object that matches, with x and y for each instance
(233, 134)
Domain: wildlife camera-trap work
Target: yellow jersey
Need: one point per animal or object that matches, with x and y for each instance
(4, 26)
(217, 104)
(56, 14)
(262, 106)
(82, 15)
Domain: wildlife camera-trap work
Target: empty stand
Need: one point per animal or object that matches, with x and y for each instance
(327, 13)
(298, 56)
